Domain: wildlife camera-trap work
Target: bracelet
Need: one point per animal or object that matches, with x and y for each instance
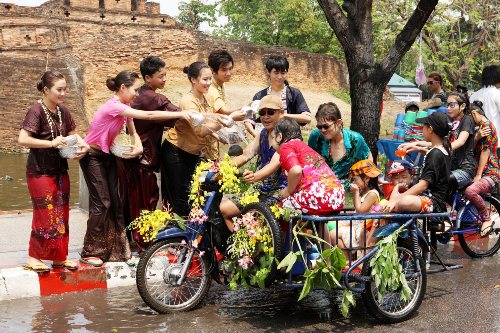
(51, 143)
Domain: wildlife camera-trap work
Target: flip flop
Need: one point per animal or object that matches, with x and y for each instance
(487, 230)
(93, 261)
(39, 267)
(69, 264)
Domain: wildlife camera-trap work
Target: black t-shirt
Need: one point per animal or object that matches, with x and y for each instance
(295, 101)
(436, 170)
(463, 157)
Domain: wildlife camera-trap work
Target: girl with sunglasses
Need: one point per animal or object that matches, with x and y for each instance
(340, 147)
(463, 163)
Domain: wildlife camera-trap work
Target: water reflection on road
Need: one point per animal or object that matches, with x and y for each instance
(14, 193)
(464, 300)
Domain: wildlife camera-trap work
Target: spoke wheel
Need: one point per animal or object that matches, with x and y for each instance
(471, 241)
(262, 213)
(392, 309)
(158, 274)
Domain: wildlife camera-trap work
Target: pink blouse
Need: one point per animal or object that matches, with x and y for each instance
(107, 123)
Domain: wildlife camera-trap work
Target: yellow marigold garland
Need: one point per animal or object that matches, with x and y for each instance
(149, 223)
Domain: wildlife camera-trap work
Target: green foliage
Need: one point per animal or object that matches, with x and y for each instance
(194, 12)
(295, 23)
(460, 38)
(250, 252)
(342, 94)
(386, 268)
(347, 301)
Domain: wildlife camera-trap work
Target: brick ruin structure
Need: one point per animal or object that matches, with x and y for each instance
(89, 41)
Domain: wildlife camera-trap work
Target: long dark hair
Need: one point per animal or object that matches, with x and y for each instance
(127, 78)
(289, 130)
(373, 184)
(462, 99)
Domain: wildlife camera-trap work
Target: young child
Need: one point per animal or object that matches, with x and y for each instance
(401, 177)
(364, 186)
(313, 188)
(429, 194)
(488, 170)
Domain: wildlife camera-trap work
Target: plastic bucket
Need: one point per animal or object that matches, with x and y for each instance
(400, 135)
(400, 117)
(410, 117)
(422, 114)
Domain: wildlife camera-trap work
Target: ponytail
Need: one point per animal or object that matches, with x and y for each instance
(447, 143)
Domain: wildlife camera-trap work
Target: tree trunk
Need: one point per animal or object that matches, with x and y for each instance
(365, 110)
(367, 78)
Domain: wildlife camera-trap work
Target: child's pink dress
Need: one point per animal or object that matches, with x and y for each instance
(319, 190)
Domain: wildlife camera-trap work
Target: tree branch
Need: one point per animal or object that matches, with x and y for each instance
(407, 36)
(338, 21)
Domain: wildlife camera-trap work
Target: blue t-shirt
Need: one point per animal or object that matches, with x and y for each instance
(355, 147)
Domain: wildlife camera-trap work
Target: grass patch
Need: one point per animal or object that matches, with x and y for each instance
(342, 94)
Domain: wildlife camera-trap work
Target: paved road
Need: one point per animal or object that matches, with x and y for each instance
(465, 300)
(16, 229)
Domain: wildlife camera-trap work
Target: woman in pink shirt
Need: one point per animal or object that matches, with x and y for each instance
(105, 239)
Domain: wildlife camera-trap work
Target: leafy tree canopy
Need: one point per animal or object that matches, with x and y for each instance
(460, 38)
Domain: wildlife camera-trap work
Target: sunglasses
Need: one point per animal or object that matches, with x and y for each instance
(452, 104)
(430, 82)
(269, 112)
(324, 126)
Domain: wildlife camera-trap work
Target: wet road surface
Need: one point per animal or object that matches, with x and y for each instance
(464, 300)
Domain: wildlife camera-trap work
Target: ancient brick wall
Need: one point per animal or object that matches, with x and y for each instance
(89, 44)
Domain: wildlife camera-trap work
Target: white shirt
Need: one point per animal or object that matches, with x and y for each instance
(490, 96)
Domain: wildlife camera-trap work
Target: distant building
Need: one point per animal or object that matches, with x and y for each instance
(404, 90)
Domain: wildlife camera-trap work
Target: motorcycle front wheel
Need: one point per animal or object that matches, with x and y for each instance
(158, 274)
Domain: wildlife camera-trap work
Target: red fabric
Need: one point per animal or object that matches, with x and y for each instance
(139, 190)
(49, 229)
(319, 190)
(295, 152)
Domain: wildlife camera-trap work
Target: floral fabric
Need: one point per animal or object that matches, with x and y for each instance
(492, 167)
(319, 190)
(49, 229)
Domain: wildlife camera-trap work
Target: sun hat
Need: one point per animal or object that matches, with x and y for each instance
(364, 167)
(399, 166)
(271, 102)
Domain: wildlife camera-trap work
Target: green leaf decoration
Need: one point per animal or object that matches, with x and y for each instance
(288, 261)
(347, 302)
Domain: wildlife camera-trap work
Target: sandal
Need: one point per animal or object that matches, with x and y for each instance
(38, 267)
(93, 261)
(69, 264)
(486, 230)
